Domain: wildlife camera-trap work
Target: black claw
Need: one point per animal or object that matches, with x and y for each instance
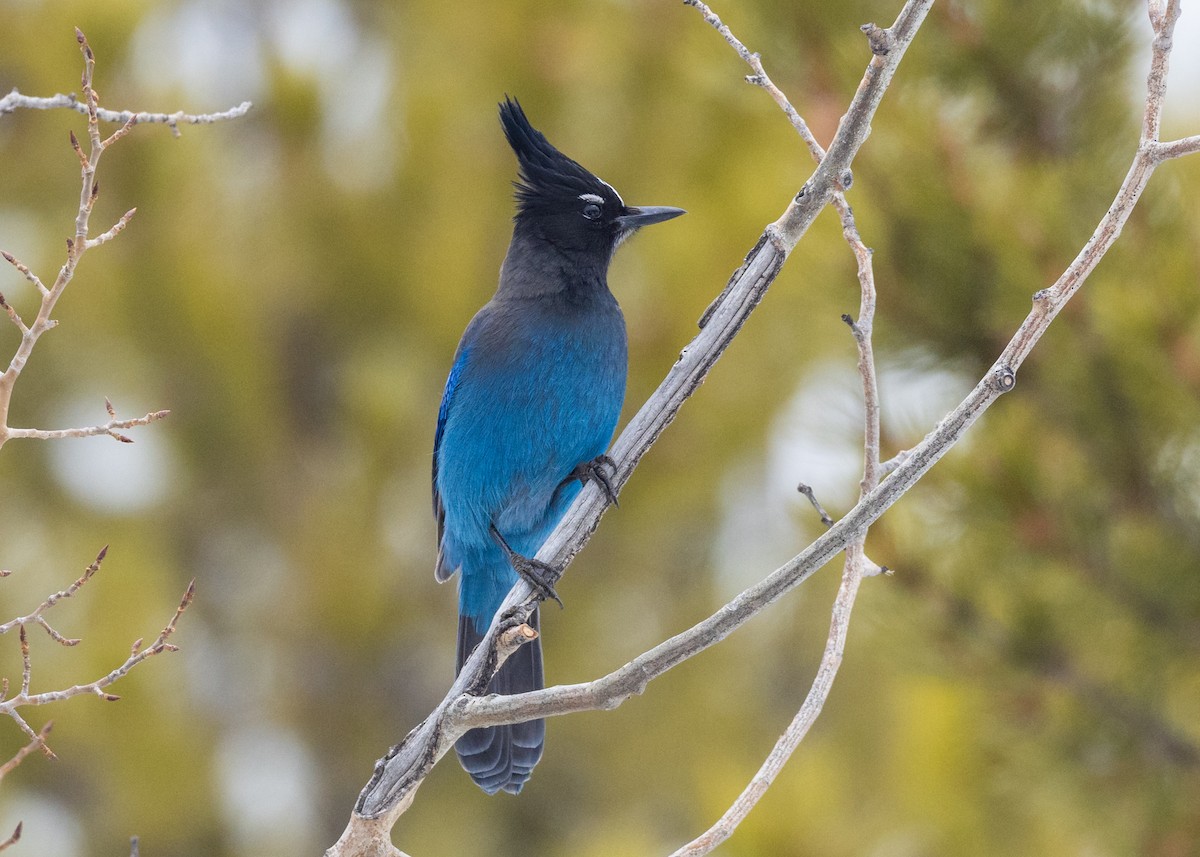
(593, 471)
(541, 576)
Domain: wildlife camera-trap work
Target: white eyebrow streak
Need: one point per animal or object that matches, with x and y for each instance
(613, 189)
(591, 197)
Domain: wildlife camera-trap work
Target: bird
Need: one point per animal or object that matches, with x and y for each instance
(529, 408)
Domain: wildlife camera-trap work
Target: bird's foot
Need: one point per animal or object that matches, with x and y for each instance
(539, 575)
(594, 471)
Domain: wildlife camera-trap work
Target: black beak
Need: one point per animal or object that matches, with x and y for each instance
(636, 217)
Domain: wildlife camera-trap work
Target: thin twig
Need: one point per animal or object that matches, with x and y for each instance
(808, 492)
(118, 226)
(15, 101)
(12, 315)
(37, 617)
(38, 742)
(1176, 148)
(886, 467)
(24, 269)
(14, 839)
(26, 665)
(870, 568)
(109, 428)
(759, 77)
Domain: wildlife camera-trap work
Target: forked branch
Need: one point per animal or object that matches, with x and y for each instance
(81, 240)
(10, 705)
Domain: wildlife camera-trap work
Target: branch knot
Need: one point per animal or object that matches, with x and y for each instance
(1004, 378)
(878, 38)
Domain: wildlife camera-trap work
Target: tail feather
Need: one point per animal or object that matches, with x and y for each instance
(503, 757)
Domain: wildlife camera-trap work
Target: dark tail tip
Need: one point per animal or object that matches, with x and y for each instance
(502, 758)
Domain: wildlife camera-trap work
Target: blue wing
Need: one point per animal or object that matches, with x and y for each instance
(445, 567)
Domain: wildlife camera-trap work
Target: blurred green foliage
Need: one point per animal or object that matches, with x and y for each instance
(293, 287)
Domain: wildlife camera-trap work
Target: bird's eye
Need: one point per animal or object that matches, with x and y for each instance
(591, 211)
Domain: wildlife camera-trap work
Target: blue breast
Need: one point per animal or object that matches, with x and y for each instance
(535, 391)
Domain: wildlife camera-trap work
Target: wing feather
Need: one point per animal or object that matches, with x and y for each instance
(443, 570)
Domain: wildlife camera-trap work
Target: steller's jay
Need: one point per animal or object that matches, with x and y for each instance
(529, 409)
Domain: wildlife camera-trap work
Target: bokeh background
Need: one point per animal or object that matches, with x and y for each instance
(293, 288)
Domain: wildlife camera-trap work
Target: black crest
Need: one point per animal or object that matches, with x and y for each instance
(548, 177)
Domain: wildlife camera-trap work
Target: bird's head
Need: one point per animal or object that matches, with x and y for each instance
(563, 203)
